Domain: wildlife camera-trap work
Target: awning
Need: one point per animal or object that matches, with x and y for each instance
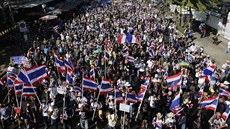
(34, 3)
(68, 5)
(56, 11)
(48, 17)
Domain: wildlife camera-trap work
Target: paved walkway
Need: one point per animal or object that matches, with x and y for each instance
(217, 52)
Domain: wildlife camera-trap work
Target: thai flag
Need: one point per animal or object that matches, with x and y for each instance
(125, 54)
(89, 84)
(10, 78)
(162, 49)
(127, 38)
(119, 84)
(106, 45)
(151, 53)
(92, 73)
(146, 83)
(201, 92)
(118, 97)
(59, 64)
(165, 75)
(18, 86)
(210, 103)
(174, 81)
(153, 45)
(36, 74)
(69, 78)
(209, 70)
(203, 77)
(226, 113)
(96, 63)
(224, 92)
(141, 94)
(125, 48)
(131, 98)
(77, 89)
(56, 28)
(175, 105)
(105, 87)
(23, 77)
(28, 90)
(106, 55)
(130, 58)
(69, 66)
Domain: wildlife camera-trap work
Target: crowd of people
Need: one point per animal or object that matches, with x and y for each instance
(97, 44)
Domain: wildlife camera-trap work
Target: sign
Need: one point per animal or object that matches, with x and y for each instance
(22, 27)
(124, 107)
(17, 59)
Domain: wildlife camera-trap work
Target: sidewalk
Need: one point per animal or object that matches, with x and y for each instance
(217, 52)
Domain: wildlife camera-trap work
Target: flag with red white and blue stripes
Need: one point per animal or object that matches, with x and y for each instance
(118, 96)
(68, 65)
(28, 90)
(11, 76)
(175, 105)
(174, 81)
(210, 103)
(131, 98)
(105, 87)
(89, 84)
(59, 64)
(130, 58)
(226, 113)
(224, 92)
(18, 86)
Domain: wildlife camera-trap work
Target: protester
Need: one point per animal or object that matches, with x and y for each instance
(127, 52)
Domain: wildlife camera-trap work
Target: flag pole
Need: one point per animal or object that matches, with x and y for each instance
(82, 84)
(33, 88)
(124, 111)
(21, 96)
(7, 95)
(16, 96)
(64, 104)
(96, 102)
(139, 107)
(115, 104)
(217, 104)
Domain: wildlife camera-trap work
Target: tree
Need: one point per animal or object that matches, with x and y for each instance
(200, 5)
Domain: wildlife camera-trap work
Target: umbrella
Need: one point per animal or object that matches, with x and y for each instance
(97, 51)
(169, 17)
(48, 17)
(183, 64)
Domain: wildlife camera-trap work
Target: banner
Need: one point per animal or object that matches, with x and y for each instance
(17, 59)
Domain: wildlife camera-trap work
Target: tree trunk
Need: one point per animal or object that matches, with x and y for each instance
(180, 14)
(190, 17)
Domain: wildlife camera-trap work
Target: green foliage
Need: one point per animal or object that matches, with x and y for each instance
(196, 4)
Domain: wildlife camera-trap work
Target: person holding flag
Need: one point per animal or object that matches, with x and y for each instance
(217, 122)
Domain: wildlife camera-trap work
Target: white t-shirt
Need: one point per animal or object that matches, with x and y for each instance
(44, 108)
(152, 101)
(55, 114)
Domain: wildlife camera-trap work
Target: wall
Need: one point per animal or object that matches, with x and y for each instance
(214, 20)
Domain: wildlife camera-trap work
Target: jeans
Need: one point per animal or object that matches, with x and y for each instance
(183, 126)
(111, 127)
(84, 123)
(54, 122)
